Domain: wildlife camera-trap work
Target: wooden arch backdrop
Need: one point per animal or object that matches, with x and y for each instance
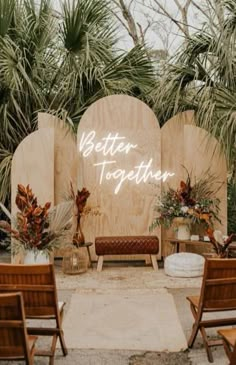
(128, 209)
(49, 160)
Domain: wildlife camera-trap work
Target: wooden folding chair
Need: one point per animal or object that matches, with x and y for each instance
(218, 294)
(38, 286)
(229, 342)
(15, 344)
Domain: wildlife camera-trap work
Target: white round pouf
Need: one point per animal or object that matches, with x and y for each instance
(184, 265)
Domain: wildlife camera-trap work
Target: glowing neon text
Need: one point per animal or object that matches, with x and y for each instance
(108, 145)
(111, 145)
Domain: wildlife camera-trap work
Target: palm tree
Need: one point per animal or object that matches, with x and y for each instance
(202, 76)
(60, 63)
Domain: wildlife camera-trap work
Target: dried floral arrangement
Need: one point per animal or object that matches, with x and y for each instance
(37, 227)
(193, 201)
(80, 198)
(219, 242)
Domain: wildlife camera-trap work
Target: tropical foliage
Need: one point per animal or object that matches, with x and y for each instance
(202, 77)
(231, 207)
(59, 63)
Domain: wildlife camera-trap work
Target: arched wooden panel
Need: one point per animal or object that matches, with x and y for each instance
(65, 155)
(172, 158)
(185, 145)
(203, 154)
(130, 133)
(173, 145)
(33, 164)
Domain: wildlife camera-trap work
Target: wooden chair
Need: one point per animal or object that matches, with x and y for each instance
(38, 286)
(229, 342)
(218, 294)
(15, 344)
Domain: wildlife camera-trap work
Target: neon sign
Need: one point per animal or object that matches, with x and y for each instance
(112, 145)
(109, 145)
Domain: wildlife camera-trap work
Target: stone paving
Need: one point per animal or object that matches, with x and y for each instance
(141, 279)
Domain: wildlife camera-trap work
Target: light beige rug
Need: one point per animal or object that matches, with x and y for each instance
(125, 321)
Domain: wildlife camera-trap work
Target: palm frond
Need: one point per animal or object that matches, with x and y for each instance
(202, 77)
(5, 174)
(87, 28)
(6, 15)
(60, 217)
(6, 211)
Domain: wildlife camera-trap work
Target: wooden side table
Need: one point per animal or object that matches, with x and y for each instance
(180, 245)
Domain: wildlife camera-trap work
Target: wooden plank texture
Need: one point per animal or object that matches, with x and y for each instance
(125, 209)
(65, 155)
(33, 164)
(172, 159)
(185, 145)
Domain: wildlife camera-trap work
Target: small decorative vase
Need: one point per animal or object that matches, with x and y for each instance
(36, 257)
(182, 228)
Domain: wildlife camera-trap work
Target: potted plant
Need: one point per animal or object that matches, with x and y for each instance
(36, 229)
(188, 204)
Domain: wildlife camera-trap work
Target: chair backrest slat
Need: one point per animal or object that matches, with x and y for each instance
(221, 281)
(37, 284)
(13, 334)
(219, 285)
(20, 287)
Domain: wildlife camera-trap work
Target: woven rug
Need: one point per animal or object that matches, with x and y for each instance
(123, 321)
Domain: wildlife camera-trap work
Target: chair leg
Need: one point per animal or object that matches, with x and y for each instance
(206, 345)
(61, 338)
(63, 344)
(227, 348)
(61, 334)
(32, 352)
(233, 357)
(193, 336)
(51, 359)
(53, 346)
(195, 327)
